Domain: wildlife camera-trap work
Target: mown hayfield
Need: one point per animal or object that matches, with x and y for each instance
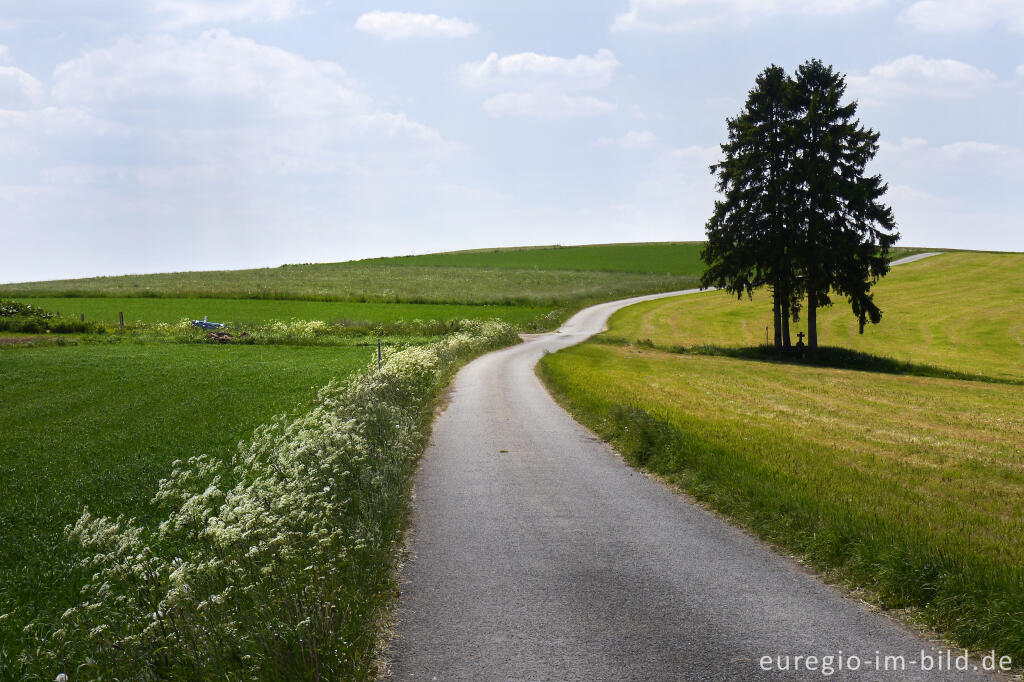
(907, 487)
(254, 311)
(958, 310)
(98, 427)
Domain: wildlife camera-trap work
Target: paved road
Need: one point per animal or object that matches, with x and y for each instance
(915, 257)
(539, 555)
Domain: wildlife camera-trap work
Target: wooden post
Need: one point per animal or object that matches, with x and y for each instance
(120, 318)
(378, 354)
(83, 317)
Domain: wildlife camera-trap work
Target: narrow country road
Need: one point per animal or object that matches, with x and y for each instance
(537, 554)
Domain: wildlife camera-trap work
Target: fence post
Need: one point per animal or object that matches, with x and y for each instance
(83, 317)
(378, 354)
(120, 318)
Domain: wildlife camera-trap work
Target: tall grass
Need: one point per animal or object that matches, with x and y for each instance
(909, 488)
(273, 563)
(371, 283)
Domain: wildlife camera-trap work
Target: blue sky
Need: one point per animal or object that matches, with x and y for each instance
(156, 135)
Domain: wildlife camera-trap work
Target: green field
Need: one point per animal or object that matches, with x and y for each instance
(670, 258)
(962, 311)
(532, 277)
(96, 422)
(909, 488)
(254, 311)
(98, 426)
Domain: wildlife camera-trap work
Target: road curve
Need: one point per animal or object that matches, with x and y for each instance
(915, 257)
(538, 555)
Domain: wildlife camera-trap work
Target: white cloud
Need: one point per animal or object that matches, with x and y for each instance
(958, 15)
(961, 156)
(529, 69)
(18, 89)
(533, 85)
(211, 110)
(634, 140)
(180, 13)
(5, 54)
(401, 25)
(217, 68)
(1020, 70)
(551, 105)
(676, 16)
(915, 75)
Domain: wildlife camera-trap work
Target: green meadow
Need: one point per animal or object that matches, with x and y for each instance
(907, 488)
(254, 311)
(553, 277)
(98, 427)
(95, 420)
(958, 310)
(670, 258)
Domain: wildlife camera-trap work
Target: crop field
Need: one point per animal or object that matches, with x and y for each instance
(98, 427)
(370, 283)
(909, 488)
(671, 258)
(549, 281)
(254, 311)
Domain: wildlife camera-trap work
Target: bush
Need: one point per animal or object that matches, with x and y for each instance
(29, 319)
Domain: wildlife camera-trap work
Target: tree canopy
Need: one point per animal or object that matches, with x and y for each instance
(798, 212)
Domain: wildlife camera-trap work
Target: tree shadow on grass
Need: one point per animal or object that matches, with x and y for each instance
(827, 356)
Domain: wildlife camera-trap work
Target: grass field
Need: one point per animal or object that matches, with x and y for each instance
(533, 277)
(907, 487)
(98, 426)
(962, 311)
(670, 258)
(252, 311)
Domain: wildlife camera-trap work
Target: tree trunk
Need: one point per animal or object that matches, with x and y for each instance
(812, 322)
(777, 317)
(787, 342)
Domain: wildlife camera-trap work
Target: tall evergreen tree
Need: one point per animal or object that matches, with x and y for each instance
(843, 230)
(798, 213)
(749, 233)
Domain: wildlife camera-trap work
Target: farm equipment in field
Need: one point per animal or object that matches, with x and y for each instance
(203, 324)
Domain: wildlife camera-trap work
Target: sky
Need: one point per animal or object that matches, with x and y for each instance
(167, 135)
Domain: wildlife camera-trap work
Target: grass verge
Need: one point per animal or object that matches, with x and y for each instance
(909, 488)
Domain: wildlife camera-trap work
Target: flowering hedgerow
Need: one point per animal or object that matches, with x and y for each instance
(274, 562)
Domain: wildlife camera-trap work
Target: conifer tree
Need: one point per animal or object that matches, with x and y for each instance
(798, 213)
(844, 231)
(748, 239)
